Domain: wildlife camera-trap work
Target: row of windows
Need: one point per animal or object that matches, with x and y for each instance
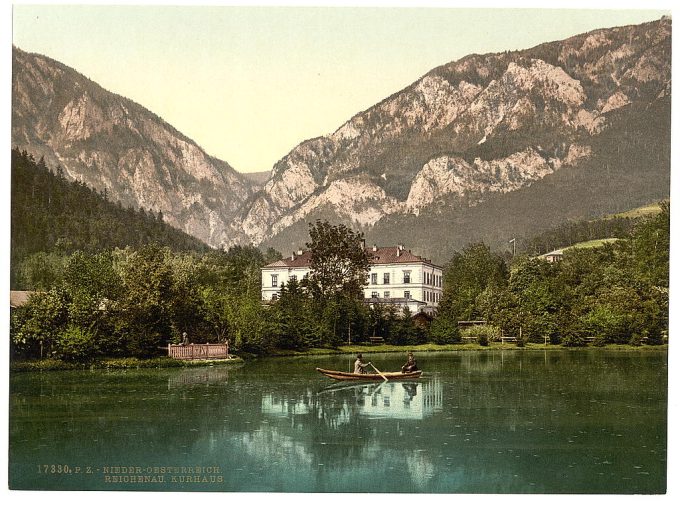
(430, 279)
(275, 279)
(386, 294)
(432, 297)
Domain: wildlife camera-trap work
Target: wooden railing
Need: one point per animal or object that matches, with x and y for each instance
(199, 351)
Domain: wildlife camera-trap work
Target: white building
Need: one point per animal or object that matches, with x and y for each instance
(396, 277)
(553, 256)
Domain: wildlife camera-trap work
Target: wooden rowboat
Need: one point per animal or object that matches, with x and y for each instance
(349, 376)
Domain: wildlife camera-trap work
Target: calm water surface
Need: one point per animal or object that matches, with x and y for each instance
(587, 421)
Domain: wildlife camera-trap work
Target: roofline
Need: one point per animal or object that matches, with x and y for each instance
(417, 262)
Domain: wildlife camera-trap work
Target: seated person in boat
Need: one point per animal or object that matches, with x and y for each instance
(359, 365)
(410, 365)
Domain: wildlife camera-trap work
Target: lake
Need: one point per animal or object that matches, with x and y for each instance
(518, 421)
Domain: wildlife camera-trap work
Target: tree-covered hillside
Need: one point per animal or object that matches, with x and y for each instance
(54, 216)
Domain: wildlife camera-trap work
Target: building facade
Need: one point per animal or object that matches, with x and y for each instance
(396, 277)
(553, 256)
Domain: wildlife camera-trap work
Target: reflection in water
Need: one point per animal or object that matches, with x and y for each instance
(493, 422)
(421, 469)
(202, 375)
(392, 400)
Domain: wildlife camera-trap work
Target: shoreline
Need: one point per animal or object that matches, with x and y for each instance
(49, 364)
(467, 347)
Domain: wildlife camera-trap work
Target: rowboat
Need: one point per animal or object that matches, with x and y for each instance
(349, 376)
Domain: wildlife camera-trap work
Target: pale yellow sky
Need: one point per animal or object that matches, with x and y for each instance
(248, 83)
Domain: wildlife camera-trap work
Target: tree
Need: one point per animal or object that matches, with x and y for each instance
(40, 271)
(144, 311)
(444, 331)
(217, 305)
(539, 297)
(339, 263)
(295, 326)
(467, 275)
(37, 325)
(406, 330)
(339, 270)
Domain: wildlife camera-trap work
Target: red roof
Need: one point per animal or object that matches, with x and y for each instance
(298, 261)
(379, 256)
(396, 254)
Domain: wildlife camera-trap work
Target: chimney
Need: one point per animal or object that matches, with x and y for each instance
(398, 251)
(299, 252)
(292, 257)
(363, 243)
(375, 248)
(401, 247)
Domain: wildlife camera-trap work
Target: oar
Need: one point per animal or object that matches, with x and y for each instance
(379, 372)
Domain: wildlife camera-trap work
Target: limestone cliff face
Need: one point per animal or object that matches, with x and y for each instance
(466, 132)
(474, 128)
(114, 144)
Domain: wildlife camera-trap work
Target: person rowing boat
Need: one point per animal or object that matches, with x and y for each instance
(410, 365)
(360, 366)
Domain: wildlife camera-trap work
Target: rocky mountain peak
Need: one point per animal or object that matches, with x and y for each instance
(467, 134)
(112, 143)
(474, 128)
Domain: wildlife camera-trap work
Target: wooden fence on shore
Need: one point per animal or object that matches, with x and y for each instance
(199, 351)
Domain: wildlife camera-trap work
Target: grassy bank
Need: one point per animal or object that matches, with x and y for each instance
(165, 362)
(115, 364)
(368, 349)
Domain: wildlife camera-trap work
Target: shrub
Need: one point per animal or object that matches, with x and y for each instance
(444, 331)
(76, 345)
(574, 340)
(483, 333)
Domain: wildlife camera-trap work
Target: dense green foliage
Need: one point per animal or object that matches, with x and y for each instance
(133, 302)
(574, 232)
(339, 263)
(617, 293)
(97, 297)
(52, 217)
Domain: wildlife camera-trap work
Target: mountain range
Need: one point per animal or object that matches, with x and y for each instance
(487, 147)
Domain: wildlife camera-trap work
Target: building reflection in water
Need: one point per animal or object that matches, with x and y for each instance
(337, 404)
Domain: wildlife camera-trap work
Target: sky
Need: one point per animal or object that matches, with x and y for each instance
(250, 83)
